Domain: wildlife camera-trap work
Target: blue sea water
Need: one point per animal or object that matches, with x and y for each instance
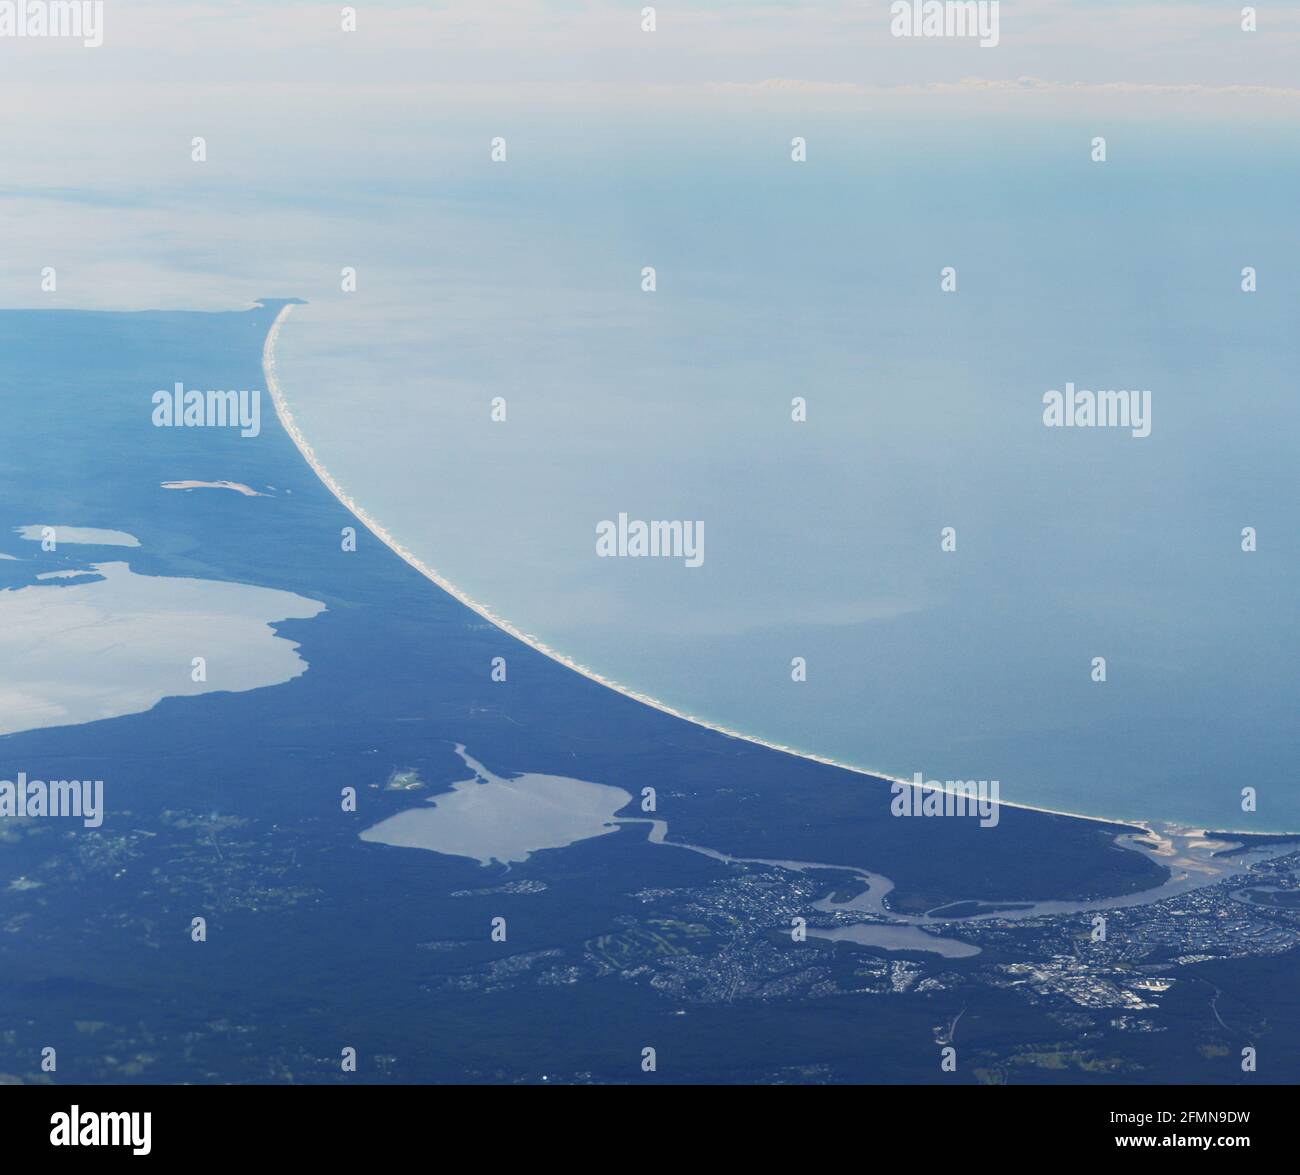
(822, 280)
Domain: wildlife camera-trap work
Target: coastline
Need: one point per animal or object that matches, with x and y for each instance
(285, 417)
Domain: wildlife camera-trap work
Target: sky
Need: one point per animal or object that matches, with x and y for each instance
(311, 129)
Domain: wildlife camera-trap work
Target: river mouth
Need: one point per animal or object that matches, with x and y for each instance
(489, 818)
(1191, 856)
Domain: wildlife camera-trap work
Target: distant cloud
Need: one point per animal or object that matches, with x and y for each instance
(1020, 85)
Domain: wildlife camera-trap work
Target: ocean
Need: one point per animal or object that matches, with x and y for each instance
(823, 280)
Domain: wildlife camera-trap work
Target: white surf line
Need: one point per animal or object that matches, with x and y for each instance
(304, 447)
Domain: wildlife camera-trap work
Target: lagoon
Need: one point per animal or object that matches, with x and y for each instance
(492, 818)
(81, 645)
